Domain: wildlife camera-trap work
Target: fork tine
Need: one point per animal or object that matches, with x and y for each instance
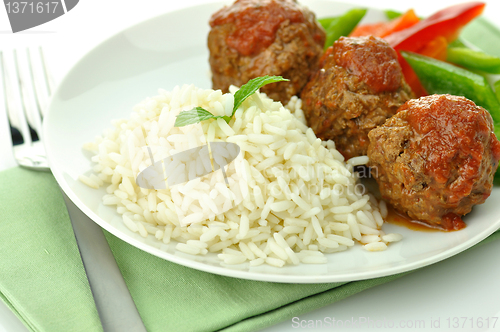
(40, 79)
(13, 98)
(3, 99)
(28, 95)
(21, 108)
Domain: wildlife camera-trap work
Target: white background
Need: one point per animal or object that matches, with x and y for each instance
(464, 286)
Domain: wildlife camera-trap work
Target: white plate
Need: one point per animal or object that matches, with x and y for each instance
(171, 50)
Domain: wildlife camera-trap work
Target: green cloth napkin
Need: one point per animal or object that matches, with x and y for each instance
(43, 281)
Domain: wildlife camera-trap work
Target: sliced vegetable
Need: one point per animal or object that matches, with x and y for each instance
(383, 29)
(475, 60)
(411, 78)
(392, 14)
(436, 48)
(199, 114)
(484, 35)
(341, 25)
(496, 86)
(496, 179)
(374, 29)
(326, 21)
(457, 43)
(446, 22)
(441, 77)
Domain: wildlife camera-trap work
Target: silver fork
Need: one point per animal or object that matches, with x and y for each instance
(26, 90)
(24, 115)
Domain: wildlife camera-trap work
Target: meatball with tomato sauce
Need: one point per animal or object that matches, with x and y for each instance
(359, 86)
(253, 38)
(435, 159)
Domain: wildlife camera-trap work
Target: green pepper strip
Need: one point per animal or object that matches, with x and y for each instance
(343, 25)
(496, 86)
(457, 43)
(326, 21)
(392, 14)
(496, 179)
(441, 77)
(474, 60)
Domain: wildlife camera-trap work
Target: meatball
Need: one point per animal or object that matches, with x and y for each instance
(435, 159)
(253, 38)
(359, 86)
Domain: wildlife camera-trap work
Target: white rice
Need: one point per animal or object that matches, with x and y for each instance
(291, 196)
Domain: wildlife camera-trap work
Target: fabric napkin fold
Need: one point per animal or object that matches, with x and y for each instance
(43, 281)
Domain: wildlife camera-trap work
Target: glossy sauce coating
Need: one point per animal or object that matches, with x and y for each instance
(340, 101)
(435, 159)
(452, 129)
(256, 22)
(372, 60)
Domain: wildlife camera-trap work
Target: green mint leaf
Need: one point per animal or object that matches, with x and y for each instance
(251, 87)
(199, 114)
(193, 116)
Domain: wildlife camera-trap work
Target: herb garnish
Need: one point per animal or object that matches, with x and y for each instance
(199, 114)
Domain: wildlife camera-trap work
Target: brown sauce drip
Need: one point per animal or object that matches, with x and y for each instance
(397, 218)
(393, 216)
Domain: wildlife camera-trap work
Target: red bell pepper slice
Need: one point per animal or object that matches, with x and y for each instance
(436, 48)
(446, 22)
(383, 29)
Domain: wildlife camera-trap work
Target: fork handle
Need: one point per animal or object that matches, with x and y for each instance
(114, 303)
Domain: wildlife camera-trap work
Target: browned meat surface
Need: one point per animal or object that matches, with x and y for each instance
(254, 38)
(435, 159)
(359, 86)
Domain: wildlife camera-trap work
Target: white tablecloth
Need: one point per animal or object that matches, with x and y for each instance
(459, 292)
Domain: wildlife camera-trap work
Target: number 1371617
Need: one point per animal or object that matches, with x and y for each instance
(472, 322)
(16, 7)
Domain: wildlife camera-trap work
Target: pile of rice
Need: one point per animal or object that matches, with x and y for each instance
(293, 197)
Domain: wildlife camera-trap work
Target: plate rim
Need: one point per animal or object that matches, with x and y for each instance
(221, 270)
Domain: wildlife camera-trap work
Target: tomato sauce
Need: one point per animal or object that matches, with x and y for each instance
(256, 22)
(452, 130)
(372, 60)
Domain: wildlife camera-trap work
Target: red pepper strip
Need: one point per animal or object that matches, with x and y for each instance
(436, 48)
(446, 22)
(383, 29)
(411, 78)
(375, 29)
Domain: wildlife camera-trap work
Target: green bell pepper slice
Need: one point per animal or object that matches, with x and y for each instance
(474, 60)
(326, 21)
(343, 25)
(439, 77)
(392, 14)
(496, 86)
